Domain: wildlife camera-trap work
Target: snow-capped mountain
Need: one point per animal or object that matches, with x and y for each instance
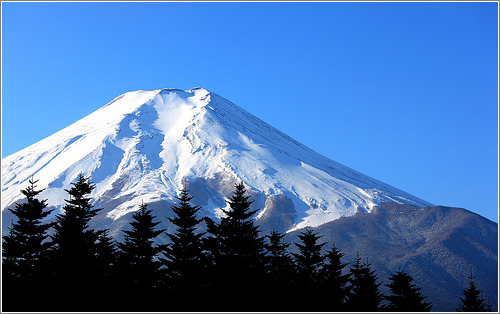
(144, 145)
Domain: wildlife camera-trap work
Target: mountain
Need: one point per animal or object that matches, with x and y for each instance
(437, 245)
(145, 145)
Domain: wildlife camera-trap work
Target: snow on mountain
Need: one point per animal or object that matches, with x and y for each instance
(142, 145)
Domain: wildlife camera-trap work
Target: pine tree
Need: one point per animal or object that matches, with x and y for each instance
(280, 272)
(473, 300)
(106, 253)
(334, 287)
(184, 257)
(238, 252)
(105, 286)
(25, 251)
(11, 252)
(280, 266)
(73, 239)
(139, 264)
(309, 258)
(405, 295)
(26, 244)
(75, 247)
(308, 262)
(365, 295)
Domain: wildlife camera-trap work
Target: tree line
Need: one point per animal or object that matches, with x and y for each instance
(64, 265)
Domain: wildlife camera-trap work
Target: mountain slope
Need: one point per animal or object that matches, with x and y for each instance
(145, 145)
(437, 245)
(142, 145)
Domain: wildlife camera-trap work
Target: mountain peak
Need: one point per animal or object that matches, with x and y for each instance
(143, 144)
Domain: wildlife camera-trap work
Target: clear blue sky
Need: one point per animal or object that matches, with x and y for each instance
(404, 92)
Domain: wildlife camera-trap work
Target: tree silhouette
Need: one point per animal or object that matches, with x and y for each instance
(405, 295)
(334, 287)
(106, 276)
(365, 295)
(74, 246)
(238, 252)
(280, 266)
(280, 272)
(308, 262)
(473, 300)
(184, 257)
(106, 253)
(73, 239)
(25, 251)
(139, 264)
(232, 269)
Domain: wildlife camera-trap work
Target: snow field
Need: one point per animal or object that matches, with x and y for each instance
(143, 144)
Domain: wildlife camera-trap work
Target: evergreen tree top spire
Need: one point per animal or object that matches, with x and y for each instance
(309, 258)
(239, 204)
(25, 244)
(365, 295)
(74, 241)
(473, 300)
(79, 204)
(405, 295)
(184, 256)
(143, 229)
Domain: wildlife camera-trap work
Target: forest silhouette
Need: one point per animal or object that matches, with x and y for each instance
(66, 266)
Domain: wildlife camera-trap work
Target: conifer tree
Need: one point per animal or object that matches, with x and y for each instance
(106, 253)
(280, 272)
(184, 257)
(106, 277)
(473, 300)
(365, 295)
(75, 246)
(26, 245)
(308, 262)
(309, 258)
(73, 239)
(280, 266)
(139, 264)
(11, 271)
(405, 295)
(334, 287)
(238, 251)
(25, 250)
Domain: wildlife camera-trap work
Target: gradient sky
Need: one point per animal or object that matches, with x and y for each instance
(404, 92)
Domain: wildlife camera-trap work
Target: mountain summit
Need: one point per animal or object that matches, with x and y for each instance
(143, 145)
(147, 145)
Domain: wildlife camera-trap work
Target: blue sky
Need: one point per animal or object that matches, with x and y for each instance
(404, 92)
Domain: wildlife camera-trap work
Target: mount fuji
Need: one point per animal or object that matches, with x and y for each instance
(143, 145)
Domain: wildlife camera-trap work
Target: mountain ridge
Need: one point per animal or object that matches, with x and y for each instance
(437, 245)
(148, 142)
(146, 145)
